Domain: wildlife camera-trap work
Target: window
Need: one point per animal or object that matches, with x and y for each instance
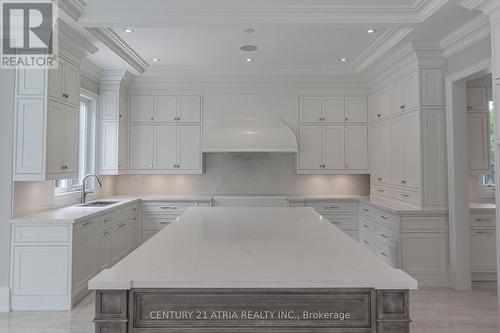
(86, 149)
(488, 181)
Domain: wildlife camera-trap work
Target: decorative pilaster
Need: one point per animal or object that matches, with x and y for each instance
(111, 311)
(393, 315)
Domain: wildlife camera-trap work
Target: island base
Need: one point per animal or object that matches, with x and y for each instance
(310, 310)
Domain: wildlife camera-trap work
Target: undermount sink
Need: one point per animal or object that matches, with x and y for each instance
(98, 203)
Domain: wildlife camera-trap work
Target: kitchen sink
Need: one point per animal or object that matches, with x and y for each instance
(98, 203)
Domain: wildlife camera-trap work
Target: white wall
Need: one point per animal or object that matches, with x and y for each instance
(473, 54)
(245, 174)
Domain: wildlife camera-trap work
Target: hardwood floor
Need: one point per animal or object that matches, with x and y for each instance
(432, 310)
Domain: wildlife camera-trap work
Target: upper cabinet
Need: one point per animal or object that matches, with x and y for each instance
(165, 109)
(46, 122)
(477, 99)
(332, 109)
(478, 132)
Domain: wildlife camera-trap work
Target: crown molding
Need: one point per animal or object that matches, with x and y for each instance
(427, 8)
(90, 70)
(73, 8)
(380, 47)
(470, 33)
(71, 41)
(115, 79)
(111, 39)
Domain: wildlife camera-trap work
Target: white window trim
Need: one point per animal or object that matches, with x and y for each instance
(483, 191)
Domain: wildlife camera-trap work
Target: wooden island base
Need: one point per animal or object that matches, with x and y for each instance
(252, 310)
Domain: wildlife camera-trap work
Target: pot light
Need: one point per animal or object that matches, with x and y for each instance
(344, 59)
(128, 30)
(156, 59)
(371, 30)
(249, 59)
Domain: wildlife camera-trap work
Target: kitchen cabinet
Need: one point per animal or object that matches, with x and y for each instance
(478, 142)
(404, 93)
(124, 237)
(46, 122)
(123, 146)
(104, 248)
(380, 105)
(165, 148)
(381, 153)
(330, 148)
(477, 99)
(483, 246)
(332, 109)
(165, 109)
(85, 249)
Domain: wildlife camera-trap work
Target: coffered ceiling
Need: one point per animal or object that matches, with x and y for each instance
(294, 37)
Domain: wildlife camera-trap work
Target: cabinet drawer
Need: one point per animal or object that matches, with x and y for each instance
(406, 196)
(44, 233)
(106, 221)
(124, 213)
(366, 226)
(483, 251)
(386, 235)
(344, 222)
(482, 220)
(166, 207)
(156, 223)
(381, 191)
(366, 241)
(387, 252)
(332, 207)
(387, 219)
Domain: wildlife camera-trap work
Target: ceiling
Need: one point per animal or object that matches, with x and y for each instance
(294, 37)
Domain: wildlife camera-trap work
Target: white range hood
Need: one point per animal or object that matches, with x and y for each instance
(237, 132)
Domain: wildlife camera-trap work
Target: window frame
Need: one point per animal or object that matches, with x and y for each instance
(489, 191)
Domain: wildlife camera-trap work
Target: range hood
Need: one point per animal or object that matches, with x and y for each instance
(237, 132)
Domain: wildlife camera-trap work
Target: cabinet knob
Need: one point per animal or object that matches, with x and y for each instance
(346, 118)
(403, 107)
(152, 118)
(379, 115)
(403, 182)
(65, 95)
(120, 116)
(379, 179)
(151, 165)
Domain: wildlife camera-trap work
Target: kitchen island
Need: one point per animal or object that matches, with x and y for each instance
(251, 270)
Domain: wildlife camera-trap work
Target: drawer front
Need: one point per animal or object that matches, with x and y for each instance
(482, 220)
(296, 203)
(106, 221)
(387, 252)
(366, 241)
(45, 233)
(381, 191)
(156, 223)
(406, 196)
(166, 207)
(125, 213)
(386, 235)
(331, 207)
(344, 222)
(366, 226)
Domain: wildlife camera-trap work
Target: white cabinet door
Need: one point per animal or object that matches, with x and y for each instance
(55, 129)
(334, 109)
(108, 146)
(397, 152)
(310, 143)
(104, 259)
(396, 97)
(142, 109)
(478, 140)
(333, 147)
(483, 247)
(32, 81)
(411, 150)
(133, 229)
(410, 91)
(29, 136)
(84, 252)
(120, 241)
(123, 147)
(165, 147)
(70, 140)
(141, 147)
(189, 151)
(310, 109)
(56, 80)
(71, 86)
(189, 109)
(385, 152)
(356, 109)
(380, 104)
(476, 99)
(375, 153)
(356, 147)
(109, 104)
(123, 108)
(166, 108)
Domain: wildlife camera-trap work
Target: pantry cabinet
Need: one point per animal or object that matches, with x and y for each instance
(165, 148)
(46, 122)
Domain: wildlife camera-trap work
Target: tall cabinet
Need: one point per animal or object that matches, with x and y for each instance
(408, 139)
(333, 135)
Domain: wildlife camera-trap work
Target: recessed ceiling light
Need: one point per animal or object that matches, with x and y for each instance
(249, 59)
(371, 30)
(249, 30)
(248, 48)
(344, 59)
(128, 30)
(156, 59)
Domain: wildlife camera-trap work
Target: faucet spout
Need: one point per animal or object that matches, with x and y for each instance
(84, 191)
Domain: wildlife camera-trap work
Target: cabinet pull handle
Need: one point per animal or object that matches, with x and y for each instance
(384, 217)
(152, 118)
(164, 222)
(379, 190)
(134, 209)
(402, 107)
(168, 207)
(151, 165)
(385, 255)
(484, 232)
(379, 179)
(379, 115)
(335, 222)
(366, 210)
(367, 227)
(367, 243)
(106, 233)
(346, 118)
(384, 236)
(87, 223)
(65, 95)
(405, 195)
(122, 225)
(331, 207)
(106, 220)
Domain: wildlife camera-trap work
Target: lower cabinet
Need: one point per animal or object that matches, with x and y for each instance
(483, 247)
(51, 264)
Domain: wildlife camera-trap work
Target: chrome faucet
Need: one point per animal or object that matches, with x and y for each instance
(84, 192)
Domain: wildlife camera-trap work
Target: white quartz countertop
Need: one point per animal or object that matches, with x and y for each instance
(483, 206)
(251, 248)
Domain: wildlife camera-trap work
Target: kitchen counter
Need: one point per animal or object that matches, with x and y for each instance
(483, 207)
(251, 248)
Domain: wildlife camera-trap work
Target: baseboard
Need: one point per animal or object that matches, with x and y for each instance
(4, 299)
